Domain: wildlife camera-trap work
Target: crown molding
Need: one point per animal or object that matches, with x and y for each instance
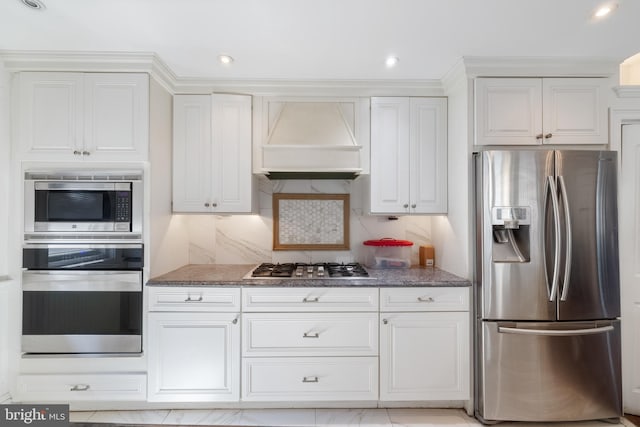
(540, 67)
(627, 91)
(151, 63)
(272, 87)
(122, 62)
(455, 76)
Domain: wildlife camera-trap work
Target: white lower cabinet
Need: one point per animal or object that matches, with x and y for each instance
(81, 387)
(424, 351)
(310, 344)
(309, 378)
(194, 356)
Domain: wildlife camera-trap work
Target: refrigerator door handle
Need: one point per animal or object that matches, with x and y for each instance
(550, 332)
(568, 239)
(551, 189)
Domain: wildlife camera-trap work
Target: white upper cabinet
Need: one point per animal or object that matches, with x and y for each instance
(212, 153)
(82, 116)
(408, 155)
(532, 111)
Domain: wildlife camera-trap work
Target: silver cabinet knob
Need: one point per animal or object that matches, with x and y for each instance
(406, 205)
(77, 152)
(413, 206)
(86, 153)
(539, 136)
(235, 321)
(215, 205)
(385, 321)
(547, 136)
(206, 205)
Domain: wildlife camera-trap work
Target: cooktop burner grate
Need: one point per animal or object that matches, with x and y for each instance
(323, 270)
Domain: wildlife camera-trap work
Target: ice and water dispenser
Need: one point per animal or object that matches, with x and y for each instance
(510, 228)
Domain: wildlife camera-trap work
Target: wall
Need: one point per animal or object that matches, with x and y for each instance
(247, 239)
(5, 285)
(451, 233)
(168, 247)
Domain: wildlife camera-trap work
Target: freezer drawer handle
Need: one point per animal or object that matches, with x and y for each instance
(552, 333)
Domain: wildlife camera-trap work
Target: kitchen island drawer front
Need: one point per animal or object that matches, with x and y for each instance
(310, 334)
(43, 388)
(309, 299)
(424, 299)
(182, 298)
(310, 379)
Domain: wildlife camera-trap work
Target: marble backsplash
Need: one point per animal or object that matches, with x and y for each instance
(247, 239)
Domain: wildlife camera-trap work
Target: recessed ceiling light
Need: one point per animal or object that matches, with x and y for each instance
(391, 61)
(33, 4)
(604, 10)
(225, 59)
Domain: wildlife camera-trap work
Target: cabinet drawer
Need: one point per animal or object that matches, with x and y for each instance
(424, 299)
(72, 388)
(310, 334)
(310, 378)
(193, 299)
(309, 299)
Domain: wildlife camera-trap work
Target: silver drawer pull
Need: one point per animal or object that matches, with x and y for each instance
(189, 299)
(80, 387)
(426, 299)
(314, 299)
(310, 380)
(308, 335)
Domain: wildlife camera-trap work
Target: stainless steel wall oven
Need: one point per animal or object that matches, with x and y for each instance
(82, 298)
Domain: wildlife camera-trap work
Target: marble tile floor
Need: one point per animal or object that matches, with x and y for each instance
(304, 418)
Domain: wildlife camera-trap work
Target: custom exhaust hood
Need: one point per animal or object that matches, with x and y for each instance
(315, 139)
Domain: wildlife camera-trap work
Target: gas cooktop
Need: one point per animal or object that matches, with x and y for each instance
(322, 270)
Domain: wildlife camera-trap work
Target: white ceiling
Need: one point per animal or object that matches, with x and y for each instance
(323, 39)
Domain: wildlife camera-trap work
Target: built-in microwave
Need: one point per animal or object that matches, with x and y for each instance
(90, 204)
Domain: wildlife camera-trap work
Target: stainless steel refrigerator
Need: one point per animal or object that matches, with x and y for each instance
(546, 286)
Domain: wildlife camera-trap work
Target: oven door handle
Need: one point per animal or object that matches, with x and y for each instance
(82, 281)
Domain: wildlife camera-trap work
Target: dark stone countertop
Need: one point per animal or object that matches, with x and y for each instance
(232, 275)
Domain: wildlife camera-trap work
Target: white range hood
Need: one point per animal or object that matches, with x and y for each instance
(315, 138)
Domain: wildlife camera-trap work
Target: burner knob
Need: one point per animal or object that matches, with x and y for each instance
(299, 271)
(320, 270)
(309, 269)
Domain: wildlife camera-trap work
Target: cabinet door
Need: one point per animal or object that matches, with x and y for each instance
(50, 109)
(116, 125)
(231, 156)
(192, 169)
(390, 155)
(424, 356)
(575, 111)
(193, 357)
(508, 111)
(428, 155)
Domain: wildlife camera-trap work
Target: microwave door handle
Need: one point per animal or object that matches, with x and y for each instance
(553, 192)
(568, 239)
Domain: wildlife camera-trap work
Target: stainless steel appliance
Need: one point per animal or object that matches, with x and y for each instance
(547, 286)
(83, 204)
(82, 298)
(322, 270)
